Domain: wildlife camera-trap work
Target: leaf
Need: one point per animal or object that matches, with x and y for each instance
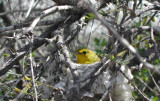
(17, 89)
(121, 53)
(138, 24)
(144, 20)
(112, 57)
(155, 98)
(144, 71)
(27, 85)
(139, 37)
(146, 78)
(27, 78)
(91, 15)
(87, 17)
(7, 55)
(133, 94)
(98, 51)
(134, 45)
(6, 87)
(104, 42)
(97, 41)
(117, 2)
(156, 61)
(153, 19)
(141, 50)
(102, 12)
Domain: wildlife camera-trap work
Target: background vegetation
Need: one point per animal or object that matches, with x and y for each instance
(36, 36)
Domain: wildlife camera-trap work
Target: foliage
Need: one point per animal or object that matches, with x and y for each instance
(32, 64)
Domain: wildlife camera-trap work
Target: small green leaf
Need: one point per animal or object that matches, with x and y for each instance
(146, 78)
(98, 51)
(156, 98)
(138, 24)
(27, 78)
(147, 45)
(144, 20)
(104, 42)
(144, 71)
(112, 57)
(141, 50)
(7, 55)
(97, 41)
(88, 17)
(91, 15)
(133, 94)
(102, 12)
(139, 37)
(153, 19)
(156, 61)
(121, 53)
(134, 45)
(17, 89)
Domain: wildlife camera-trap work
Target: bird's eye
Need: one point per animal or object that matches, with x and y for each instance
(84, 52)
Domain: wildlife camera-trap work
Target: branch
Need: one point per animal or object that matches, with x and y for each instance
(151, 18)
(155, 44)
(112, 82)
(7, 65)
(135, 86)
(122, 40)
(44, 14)
(154, 81)
(31, 67)
(98, 70)
(23, 25)
(71, 66)
(145, 84)
(139, 12)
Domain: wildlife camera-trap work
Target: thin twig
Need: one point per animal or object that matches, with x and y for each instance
(151, 18)
(44, 14)
(154, 81)
(20, 26)
(15, 11)
(145, 97)
(134, 6)
(112, 82)
(91, 32)
(98, 70)
(142, 40)
(73, 35)
(32, 71)
(155, 44)
(30, 8)
(145, 84)
(139, 12)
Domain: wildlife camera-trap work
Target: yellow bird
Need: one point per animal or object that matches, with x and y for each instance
(86, 56)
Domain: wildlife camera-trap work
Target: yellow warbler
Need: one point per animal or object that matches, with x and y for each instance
(86, 56)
